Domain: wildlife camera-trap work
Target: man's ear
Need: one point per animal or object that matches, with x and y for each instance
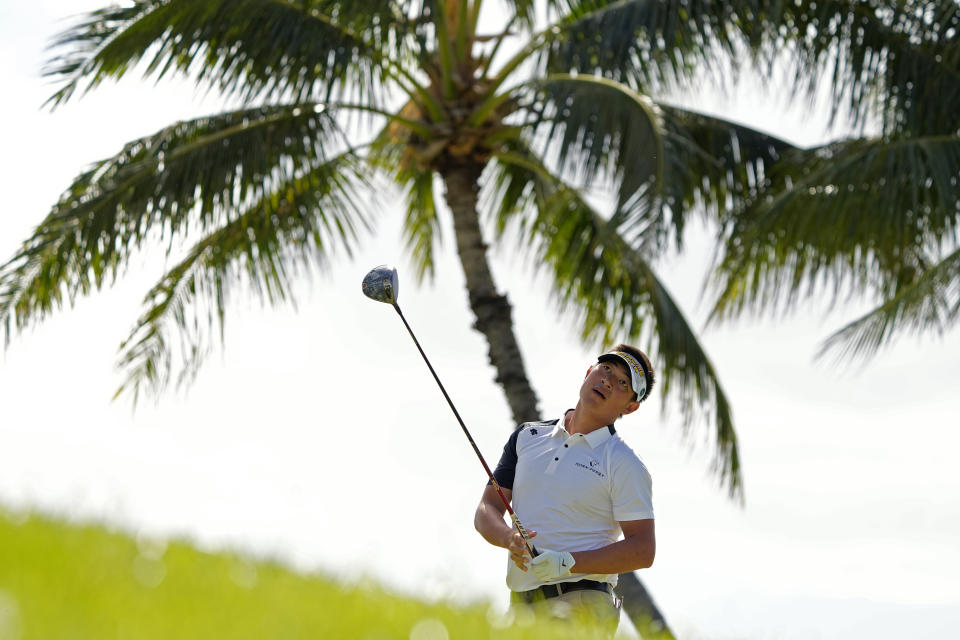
(631, 407)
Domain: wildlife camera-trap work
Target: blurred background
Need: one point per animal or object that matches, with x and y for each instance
(317, 438)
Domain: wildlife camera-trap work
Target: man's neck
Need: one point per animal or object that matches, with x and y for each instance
(578, 420)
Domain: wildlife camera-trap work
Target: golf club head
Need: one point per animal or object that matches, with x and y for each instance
(381, 284)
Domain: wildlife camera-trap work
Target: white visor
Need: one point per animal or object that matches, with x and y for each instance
(637, 377)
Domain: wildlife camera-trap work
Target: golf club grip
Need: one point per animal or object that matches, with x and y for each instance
(513, 516)
(523, 532)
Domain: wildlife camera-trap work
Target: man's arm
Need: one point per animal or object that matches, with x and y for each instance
(489, 521)
(635, 551)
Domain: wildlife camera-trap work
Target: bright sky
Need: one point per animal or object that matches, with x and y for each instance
(319, 437)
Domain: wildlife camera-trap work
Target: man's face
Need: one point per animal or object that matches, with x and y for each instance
(607, 390)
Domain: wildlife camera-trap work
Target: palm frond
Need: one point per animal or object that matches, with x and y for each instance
(395, 152)
(930, 304)
(598, 129)
(711, 165)
(514, 186)
(865, 215)
(421, 226)
(299, 225)
(191, 174)
(243, 48)
(897, 60)
(647, 44)
(524, 12)
(664, 161)
(613, 294)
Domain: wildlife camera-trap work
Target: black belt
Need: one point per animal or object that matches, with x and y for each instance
(554, 590)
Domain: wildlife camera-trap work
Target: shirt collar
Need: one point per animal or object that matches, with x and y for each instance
(595, 438)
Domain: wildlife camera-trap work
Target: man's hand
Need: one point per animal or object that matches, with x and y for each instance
(552, 565)
(518, 549)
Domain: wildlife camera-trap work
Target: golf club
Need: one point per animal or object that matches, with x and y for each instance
(381, 284)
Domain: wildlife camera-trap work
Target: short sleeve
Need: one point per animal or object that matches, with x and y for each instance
(632, 489)
(507, 467)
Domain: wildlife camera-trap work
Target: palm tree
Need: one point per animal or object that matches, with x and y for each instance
(874, 215)
(331, 99)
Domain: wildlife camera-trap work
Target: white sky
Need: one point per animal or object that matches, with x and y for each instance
(853, 503)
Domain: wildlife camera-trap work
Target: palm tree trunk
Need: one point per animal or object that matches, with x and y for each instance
(491, 309)
(641, 609)
(495, 322)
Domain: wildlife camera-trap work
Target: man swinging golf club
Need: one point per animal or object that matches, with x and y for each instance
(577, 486)
(577, 481)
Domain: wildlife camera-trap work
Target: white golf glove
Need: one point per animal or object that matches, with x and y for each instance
(552, 565)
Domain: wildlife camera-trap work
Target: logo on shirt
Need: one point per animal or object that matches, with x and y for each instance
(533, 432)
(593, 468)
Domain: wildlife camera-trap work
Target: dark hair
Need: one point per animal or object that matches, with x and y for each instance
(648, 374)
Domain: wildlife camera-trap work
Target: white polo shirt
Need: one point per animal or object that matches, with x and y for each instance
(573, 490)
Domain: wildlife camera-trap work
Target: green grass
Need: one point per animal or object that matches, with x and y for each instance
(81, 581)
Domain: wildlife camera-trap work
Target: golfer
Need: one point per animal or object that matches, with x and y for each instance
(583, 495)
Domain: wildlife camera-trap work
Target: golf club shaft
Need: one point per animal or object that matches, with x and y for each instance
(466, 432)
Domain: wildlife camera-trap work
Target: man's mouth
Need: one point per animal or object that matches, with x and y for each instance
(600, 393)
